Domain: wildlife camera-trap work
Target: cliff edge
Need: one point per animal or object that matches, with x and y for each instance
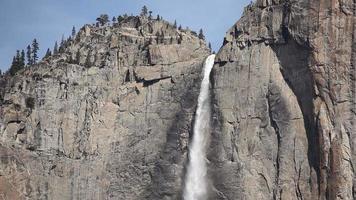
(284, 98)
(106, 118)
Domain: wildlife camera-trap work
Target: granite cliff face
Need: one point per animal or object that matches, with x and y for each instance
(108, 118)
(284, 99)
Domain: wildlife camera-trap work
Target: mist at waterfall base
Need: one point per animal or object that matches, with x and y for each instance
(196, 183)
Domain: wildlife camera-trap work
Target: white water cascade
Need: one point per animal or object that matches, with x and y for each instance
(196, 182)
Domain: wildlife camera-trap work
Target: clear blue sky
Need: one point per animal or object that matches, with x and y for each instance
(48, 20)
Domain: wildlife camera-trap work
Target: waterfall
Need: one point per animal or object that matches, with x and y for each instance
(196, 182)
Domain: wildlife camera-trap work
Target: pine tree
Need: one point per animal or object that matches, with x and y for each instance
(201, 34)
(103, 19)
(120, 18)
(13, 67)
(149, 15)
(73, 32)
(144, 11)
(180, 27)
(48, 53)
(22, 59)
(158, 18)
(29, 55)
(210, 46)
(16, 64)
(113, 19)
(17, 60)
(175, 24)
(35, 48)
(61, 45)
(55, 49)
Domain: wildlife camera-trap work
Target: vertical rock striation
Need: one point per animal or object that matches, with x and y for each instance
(284, 103)
(107, 118)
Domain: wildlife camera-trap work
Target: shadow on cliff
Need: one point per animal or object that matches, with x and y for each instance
(167, 180)
(215, 151)
(294, 60)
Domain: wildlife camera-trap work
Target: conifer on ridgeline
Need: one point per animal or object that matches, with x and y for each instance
(35, 48)
(61, 45)
(22, 59)
(18, 62)
(144, 11)
(201, 34)
(13, 67)
(48, 53)
(120, 18)
(29, 55)
(73, 32)
(55, 48)
(103, 19)
(18, 58)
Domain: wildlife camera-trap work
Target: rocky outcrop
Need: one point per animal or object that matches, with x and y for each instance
(107, 118)
(110, 116)
(284, 99)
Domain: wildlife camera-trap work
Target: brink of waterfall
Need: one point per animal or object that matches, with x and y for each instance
(196, 183)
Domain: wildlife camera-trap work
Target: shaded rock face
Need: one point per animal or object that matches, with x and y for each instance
(284, 103)
(107, 118)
